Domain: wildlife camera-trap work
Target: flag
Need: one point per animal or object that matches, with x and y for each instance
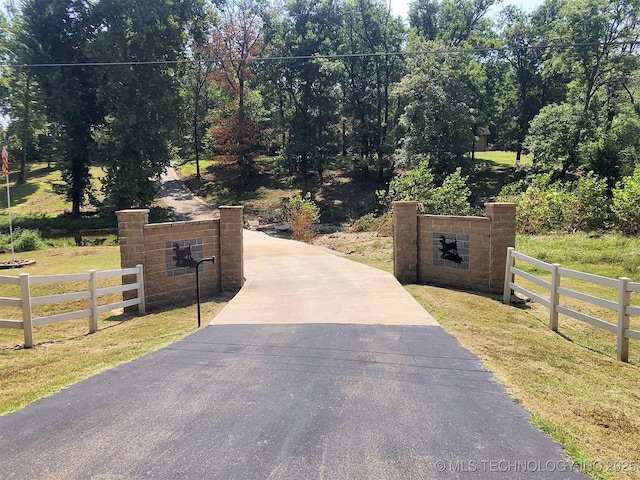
(5, 161)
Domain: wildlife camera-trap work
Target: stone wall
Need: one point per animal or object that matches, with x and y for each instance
(461, 252)
(170, 251)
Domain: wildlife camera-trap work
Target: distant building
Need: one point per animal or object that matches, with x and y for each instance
(482, 140)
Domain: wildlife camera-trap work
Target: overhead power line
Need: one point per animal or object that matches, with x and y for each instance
(443, 51)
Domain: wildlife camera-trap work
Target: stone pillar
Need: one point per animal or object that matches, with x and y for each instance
(502, 236)
(231, 256)
(131, 238)
(405, 241)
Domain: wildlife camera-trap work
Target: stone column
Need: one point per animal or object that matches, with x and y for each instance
(502, 236)
(131, 237)
(231, 256)
(405, 241)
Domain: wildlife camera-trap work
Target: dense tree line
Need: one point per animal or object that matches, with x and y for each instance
(134, 84)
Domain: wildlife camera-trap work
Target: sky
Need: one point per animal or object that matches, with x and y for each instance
(400, 7)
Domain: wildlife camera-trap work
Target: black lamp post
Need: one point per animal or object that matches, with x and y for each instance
(212, 260)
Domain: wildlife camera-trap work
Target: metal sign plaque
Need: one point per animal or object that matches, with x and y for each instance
(451, 250)
(182, 256)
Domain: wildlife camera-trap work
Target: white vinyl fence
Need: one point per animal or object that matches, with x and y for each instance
(622, 306)
(27, 301)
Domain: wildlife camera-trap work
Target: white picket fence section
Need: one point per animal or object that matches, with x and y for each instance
(27, 301)
(622, 306)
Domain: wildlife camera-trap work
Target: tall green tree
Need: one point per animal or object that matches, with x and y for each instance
(439, 93)
(423, 18)
(525, 75)
(452, 22)
(199, 89)
(140, 91)
(597, 66)
(57, 36)
(370, 28)
(307, 29)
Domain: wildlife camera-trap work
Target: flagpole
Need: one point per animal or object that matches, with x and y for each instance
(5, 143)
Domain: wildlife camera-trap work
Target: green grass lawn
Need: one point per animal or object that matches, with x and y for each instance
(503, 158)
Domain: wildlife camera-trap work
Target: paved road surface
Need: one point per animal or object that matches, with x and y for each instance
(319, 368)
(184, 204)
(293, 282)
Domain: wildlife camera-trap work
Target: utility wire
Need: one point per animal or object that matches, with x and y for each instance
(552, 46)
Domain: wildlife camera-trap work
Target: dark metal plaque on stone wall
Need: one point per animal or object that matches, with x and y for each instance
(183, 255)
(451, 250)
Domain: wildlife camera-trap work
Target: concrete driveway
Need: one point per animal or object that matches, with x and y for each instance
(319, 368)
(293, 282)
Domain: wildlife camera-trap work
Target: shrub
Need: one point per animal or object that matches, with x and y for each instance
(545, 207)
(626, 204)
(301, 214)
(586, 207)
(382, 225)
(539, 210)
(364, 223)
(24, 240)
(451, 198)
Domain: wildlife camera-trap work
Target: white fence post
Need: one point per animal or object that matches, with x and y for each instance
(554, 298)
(25, 295)
(93, 301)
(140, 281)
(509, 276)
(624, 300)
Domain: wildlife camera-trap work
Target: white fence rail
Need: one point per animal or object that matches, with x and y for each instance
(622, 306)
(91, 295)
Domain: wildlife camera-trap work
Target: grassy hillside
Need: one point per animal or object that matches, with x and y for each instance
(343, 195)
(36, 205)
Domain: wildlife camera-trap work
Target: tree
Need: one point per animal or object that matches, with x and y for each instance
(141, 100)
(597, 26)
(452, 22)
(597, 68)
(60, 33)
(307, 30)
(369, 27)
(438, 94)
(525, 70)
(551, 136)
(197, 82)
(464, 21)
(238, 38)
(423, 17)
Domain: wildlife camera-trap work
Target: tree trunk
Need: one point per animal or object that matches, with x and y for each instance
(25, 132)
(196, 139)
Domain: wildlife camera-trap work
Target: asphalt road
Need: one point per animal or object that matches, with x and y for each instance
(183, 204)
(305, 401)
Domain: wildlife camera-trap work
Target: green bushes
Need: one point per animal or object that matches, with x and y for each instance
(626, 204)
(579, 206)
(23, 241)
(451, 198)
